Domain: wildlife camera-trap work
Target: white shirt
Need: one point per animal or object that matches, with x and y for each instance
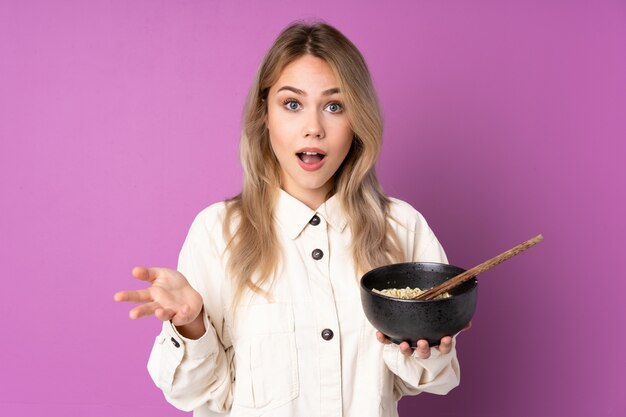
(270, 359)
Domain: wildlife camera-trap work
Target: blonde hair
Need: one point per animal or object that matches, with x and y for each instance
(253, 245)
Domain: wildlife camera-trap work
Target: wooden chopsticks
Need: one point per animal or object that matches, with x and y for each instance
(470, 273)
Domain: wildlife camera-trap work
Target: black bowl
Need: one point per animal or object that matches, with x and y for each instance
(412, 320)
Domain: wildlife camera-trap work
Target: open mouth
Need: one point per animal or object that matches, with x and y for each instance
(311, 158)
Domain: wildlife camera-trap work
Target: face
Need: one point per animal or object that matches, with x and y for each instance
(308, 128)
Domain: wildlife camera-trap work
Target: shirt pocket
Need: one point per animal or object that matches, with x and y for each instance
(266, 360)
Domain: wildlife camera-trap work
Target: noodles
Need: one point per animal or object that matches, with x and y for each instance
(407, 293)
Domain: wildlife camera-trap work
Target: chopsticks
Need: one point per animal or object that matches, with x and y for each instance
(472, 272)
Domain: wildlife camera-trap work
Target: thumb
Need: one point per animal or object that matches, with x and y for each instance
(185, 314)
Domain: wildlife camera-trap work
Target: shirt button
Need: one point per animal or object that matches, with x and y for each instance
(315, 220)
(317, 254)
(327, 334)
(175, 342)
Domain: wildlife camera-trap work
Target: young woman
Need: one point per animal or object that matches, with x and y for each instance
(263, 316)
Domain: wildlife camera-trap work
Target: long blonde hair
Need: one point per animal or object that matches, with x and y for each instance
(252, 243)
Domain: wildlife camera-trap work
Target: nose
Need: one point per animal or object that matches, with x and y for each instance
(314, 127)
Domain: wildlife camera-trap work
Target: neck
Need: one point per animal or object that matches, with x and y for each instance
(312, 199)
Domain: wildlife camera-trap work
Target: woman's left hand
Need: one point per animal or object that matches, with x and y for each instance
(422, 349)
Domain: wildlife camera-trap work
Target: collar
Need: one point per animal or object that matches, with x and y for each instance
(293, 216)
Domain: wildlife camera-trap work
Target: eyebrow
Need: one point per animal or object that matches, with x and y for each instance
(295, 90)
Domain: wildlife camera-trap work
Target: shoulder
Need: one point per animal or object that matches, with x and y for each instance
(209, 221)
(405, 215)
(414, 233)
(211, 215)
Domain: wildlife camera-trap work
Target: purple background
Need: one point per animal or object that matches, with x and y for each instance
(119, 121)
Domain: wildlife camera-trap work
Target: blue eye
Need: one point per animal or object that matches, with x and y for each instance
(291, 104)
(334, 107)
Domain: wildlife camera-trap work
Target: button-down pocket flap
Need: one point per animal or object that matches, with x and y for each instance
(260, 319)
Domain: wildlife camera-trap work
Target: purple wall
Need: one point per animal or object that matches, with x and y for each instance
(119, 121)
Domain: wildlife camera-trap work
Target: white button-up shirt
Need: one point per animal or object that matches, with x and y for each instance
(268, 357)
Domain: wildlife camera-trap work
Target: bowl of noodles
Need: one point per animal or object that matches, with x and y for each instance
(387, 296)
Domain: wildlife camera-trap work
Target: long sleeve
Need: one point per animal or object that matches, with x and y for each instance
(197, 373)
(440, 372)
(308, 350)
(192, 373)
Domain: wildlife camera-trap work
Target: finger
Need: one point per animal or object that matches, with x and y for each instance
(143, 310)
(405, 349)
(133, 296)
(382, 338)
(423, 349)
(164, 314)
(183, 315)
(445, 345)
(146, 274)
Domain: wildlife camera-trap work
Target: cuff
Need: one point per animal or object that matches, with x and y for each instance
(417, 372)
(203, 347)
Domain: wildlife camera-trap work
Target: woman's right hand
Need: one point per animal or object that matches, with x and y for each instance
(169, 297)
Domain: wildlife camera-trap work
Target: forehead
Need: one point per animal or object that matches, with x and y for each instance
(308, 71)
